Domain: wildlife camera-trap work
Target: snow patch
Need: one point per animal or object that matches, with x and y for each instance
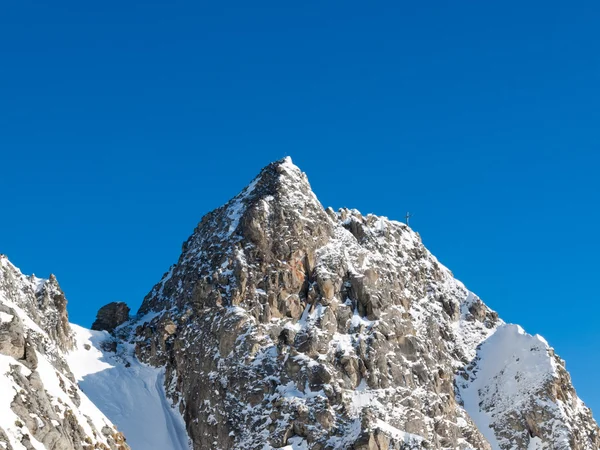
(400, 435)
(237, 208)
(296, 443)
(130, 393)
(512, 367)
(362, 397)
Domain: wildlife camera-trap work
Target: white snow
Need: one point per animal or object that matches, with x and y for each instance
(38, 283)
(362, 396)
(237, 207)
(296, 443)
(52, 380)
(358, 320)
(512, 367)
(8, 419)
(535, 444)
(56, 384)
(395, 433)
(30, 325)
(342, 343)
(132, 397)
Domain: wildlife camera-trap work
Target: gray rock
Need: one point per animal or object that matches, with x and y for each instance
(36, 326)
(283, 322)
(337, 329)
(111, 316)
(12, 334)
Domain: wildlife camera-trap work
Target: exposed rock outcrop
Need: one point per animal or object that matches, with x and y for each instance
(111, 316)
(284, 323)
(41, 406)
(12, 334)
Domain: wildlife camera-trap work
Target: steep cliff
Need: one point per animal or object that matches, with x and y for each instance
(286, 325)
(41, 406)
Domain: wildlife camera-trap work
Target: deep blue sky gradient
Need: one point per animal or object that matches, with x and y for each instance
(122, 123)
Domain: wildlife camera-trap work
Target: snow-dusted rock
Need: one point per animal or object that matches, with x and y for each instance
(130, 393)
(520, 395)
(41, 406)
(285, 325)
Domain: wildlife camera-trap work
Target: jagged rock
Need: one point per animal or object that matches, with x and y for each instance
(111, 316)
(12, 334)
(285, 325)
(5, 441)
(302, 323)
(41, 403)
(52, 303)
(42, 301)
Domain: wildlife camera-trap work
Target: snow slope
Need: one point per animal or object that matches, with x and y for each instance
(130, 393)
(346, 329)
(515, 371)
(41, 405)
(8, 419)
(287, 326)
(513, 366)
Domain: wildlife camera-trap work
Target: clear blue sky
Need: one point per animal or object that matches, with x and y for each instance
(123, 123)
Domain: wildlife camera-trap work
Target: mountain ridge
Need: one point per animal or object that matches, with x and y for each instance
(285, 325)
(46, 410)
(264, 227)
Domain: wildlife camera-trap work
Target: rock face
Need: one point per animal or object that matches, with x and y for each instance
(286, 325)
(41, 406)
(524, 395)
(111, 316)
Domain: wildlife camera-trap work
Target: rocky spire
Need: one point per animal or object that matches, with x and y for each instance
(286, 324)
(42, 299)
(274, 216)
(41, 405)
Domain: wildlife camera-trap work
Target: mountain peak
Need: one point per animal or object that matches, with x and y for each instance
(279, 179)
(275, 214)
(281, 189)
(308, 324)
(285, 326)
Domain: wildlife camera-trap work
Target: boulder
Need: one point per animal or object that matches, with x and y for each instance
(111, 316)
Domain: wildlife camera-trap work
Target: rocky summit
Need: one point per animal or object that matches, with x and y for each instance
(285, 325)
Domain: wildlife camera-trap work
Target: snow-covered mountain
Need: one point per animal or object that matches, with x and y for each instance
(41, 406)
(130, 393)
(285, 325)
